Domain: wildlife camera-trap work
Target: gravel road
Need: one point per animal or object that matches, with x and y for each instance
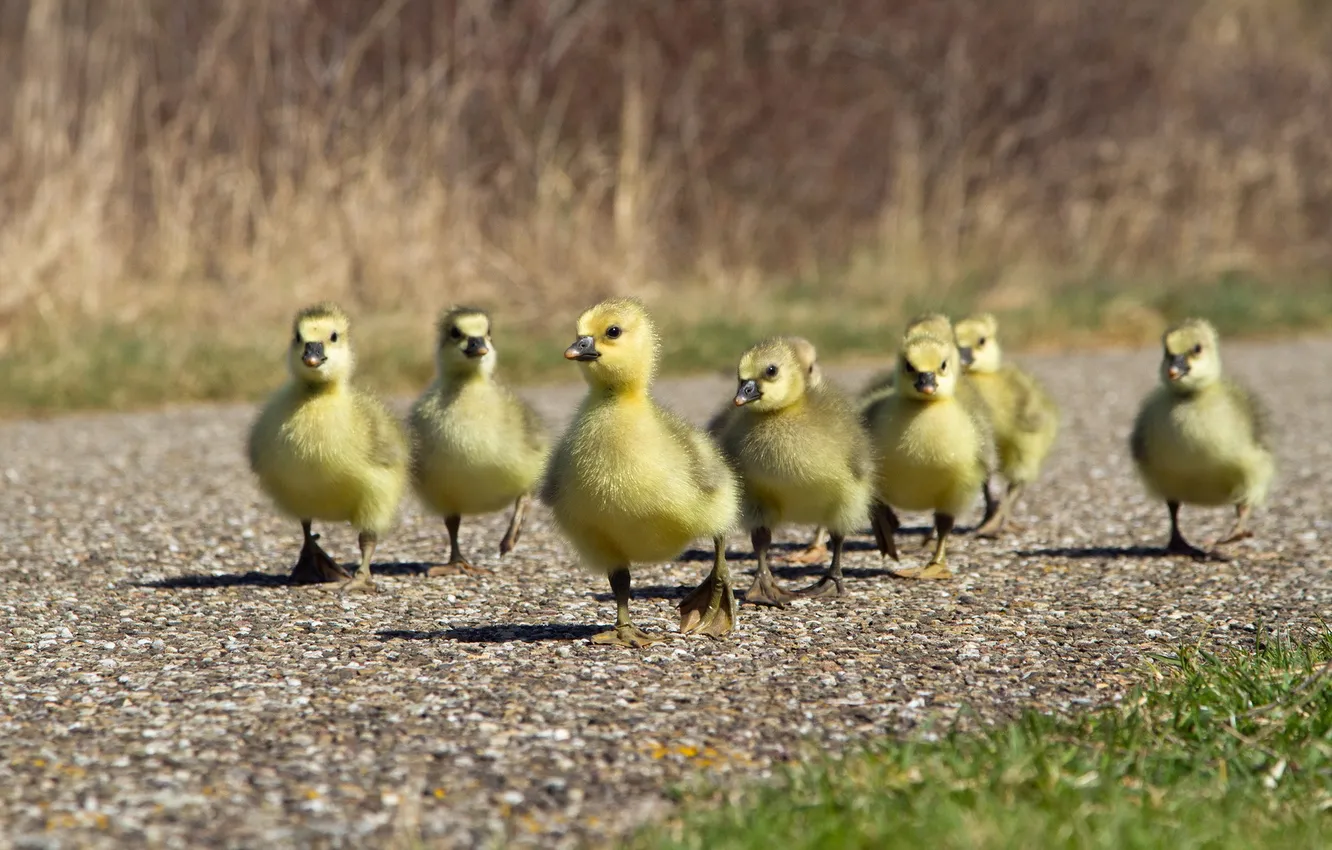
(163, 688)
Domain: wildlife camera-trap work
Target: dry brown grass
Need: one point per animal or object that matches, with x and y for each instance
(203, 168)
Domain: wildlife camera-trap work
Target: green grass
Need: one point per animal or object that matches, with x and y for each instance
(1218, 751)
(157, 361)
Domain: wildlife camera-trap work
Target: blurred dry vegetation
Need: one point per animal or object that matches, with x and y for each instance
(177, 177)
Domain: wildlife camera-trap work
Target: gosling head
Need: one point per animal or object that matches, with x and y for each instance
(978, 343)
(465, 347)
(772, 376)
(927, 368)
(320, 353)
(933, 324)
(808, 357)
(1192, 356)
(616, 345)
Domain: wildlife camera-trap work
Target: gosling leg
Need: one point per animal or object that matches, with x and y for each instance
(515, 525)
(995, 521)
(937, 568)
(711, 608)
(815, 552)
(885, 524)
(831, 582)
(362, 581)
(457, 565)
(1178, 545)
(625, 632)
(1240, 530)
(314, 566)
(765, 590)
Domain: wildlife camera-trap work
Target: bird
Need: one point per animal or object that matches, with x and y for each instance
(477, 447)
(933, 450)
(802, 458)
(816, 551)
(631, 482)
(881, 383)
(1201, 438)
(323, 449)
(1025, 419)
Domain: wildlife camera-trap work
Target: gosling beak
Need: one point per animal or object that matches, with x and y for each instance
(925, 383)
(476, 347)
(748, 391)
(314, 356)
(967, 356)
(585, 349)
(1178, 366)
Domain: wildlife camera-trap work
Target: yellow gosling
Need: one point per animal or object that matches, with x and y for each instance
(630, 482)
(1024, 417)
(477, 446)
(325, 450)
(802, 458)
(1200, 438)
(933, 450)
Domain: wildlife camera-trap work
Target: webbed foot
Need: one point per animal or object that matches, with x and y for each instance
(710, 609)
(814, 553)
(627, 635)
(314, 566)
(1234, 537)
(992, 526)
(458, 566)
(931, 571)
(360, 583)
(825, 586)
(766, 591)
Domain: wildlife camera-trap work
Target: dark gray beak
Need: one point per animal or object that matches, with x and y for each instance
(585, 348)
(966, 356)
(748, 391)
(925, 383)
(314, 356)
(1177, 366)
(476, 347)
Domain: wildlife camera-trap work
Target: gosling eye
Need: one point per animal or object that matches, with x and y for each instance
(943, 367)
(980, 342)
(454, 333)
(1197, 349)
(911, 370)
(771, 371)
(613, 332)
(333, 337)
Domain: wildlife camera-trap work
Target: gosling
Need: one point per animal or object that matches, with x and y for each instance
(934, 451)
(325, 450)
(802, 458)
(630, 482)
(936, 324)
(1200, 438)
(477, 446)
(1024, 418)
(807, 355)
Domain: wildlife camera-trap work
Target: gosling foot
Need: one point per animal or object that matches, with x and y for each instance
(815, 553)
(1180, 546)
(826, 586)
(709, 609)
(458, 567)
(992, 526)
(931, 571)
(1234, 537)
(360, 583)
(314, 566)
(766, 591)
(627, 635)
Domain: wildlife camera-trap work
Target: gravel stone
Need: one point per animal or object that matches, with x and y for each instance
(163, 687)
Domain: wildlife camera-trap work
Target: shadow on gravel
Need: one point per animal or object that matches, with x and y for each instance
(653, 591)
(250, 579)
(497, 634)
(1094, 552)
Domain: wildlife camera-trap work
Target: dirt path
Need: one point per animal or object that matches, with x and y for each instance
(160, 684)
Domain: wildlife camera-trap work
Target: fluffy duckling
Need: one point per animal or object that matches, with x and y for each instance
(802, 457)
(807, 356)
(933, 450)
(1200, 438)
(936, 324)
(630, 482)
(478, 447)
(1024, 417)
(323, 449)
